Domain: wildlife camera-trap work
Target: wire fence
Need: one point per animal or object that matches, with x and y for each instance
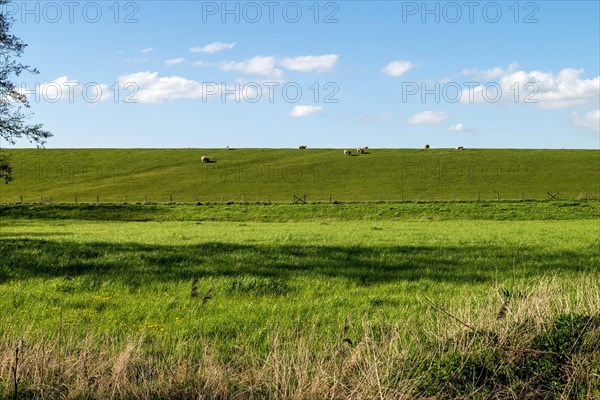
(298, 198)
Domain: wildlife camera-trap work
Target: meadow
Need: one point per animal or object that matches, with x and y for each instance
(383, 300)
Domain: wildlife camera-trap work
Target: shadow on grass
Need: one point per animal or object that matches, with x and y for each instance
(136, 264)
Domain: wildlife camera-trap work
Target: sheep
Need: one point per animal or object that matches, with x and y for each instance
(204, 159)
(227, 147)
(360, 150)
(302, 147)
(426, 146)
(460, 148)
(347, 153)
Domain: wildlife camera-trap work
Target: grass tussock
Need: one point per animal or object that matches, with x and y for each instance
(546, 345)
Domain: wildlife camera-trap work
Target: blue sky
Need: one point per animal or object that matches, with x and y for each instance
(341, 74)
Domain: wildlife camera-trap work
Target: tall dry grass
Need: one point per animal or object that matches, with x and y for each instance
(393, 362)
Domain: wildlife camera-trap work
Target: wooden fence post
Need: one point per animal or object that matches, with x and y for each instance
(97, 199)
(497, 196)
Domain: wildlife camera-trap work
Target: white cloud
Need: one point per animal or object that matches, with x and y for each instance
(273, 67)
(490, 73)
(374, 118)
(213, 47)
(257, 66)
(174, 61)
(203, 64)
(428, 117)
(590, 121)
(153, 89)
(304, 111)
(322, 63)
(456, 128)
(56, 86)
(544, 89)
(147, 50)
(398, 68)
(65, 89)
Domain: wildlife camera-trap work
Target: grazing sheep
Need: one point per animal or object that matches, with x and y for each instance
(204, 159)
(302, 147)
(347, 153)
(426, 146)
(360, 150)
(460, 148)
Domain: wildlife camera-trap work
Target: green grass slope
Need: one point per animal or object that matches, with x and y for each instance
(260, 175)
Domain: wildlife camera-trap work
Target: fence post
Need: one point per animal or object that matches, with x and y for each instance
(330, 197)
(145, 198)
(97, 199)
(269, 199)
(522, 197)
(497, 196)
(171, 198)
(21, 198)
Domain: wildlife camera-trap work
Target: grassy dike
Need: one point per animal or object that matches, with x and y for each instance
(276, 175)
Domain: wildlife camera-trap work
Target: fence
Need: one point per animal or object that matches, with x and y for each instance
(298, 198)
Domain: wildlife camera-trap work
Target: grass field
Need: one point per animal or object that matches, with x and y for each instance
(276, 175)
(410, 300)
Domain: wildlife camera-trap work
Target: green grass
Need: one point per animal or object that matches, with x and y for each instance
(260, 175)
(485, 210)
(73, 282)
